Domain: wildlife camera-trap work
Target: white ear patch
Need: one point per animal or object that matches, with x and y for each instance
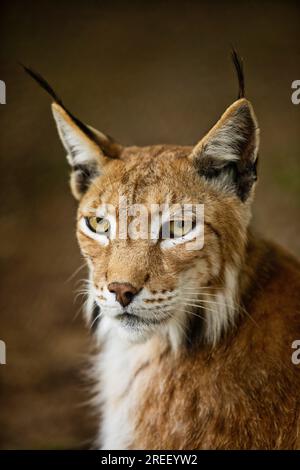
(81, 150)
(227, 155)
(236, 131)
(225, 143)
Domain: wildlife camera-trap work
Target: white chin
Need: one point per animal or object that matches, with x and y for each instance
(135, 335)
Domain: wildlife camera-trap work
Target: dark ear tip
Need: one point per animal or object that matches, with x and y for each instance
(42, 82)
(239, 68)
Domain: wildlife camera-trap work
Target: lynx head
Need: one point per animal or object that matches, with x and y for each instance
(155, 284)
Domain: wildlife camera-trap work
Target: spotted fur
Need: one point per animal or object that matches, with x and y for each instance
(201, 358)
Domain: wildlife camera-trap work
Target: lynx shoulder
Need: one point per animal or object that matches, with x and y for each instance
(196, 343)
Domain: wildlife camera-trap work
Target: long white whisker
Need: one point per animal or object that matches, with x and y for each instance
(84, 281)
(200, 301)
(233, 304)
(75, 272)
(201, 293)
(199, 306)
(201, 287)
(195, 314)
(235, 307)
(95, 319)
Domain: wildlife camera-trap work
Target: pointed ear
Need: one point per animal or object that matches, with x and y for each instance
(88, 150)
(227, 155)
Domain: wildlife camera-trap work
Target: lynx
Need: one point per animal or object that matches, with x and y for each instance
(195, 346)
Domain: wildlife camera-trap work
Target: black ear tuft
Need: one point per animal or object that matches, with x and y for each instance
(239, 68)
(44, 84)
(48, 88)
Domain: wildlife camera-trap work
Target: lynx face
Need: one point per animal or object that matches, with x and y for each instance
(145, 285)
(140, 284)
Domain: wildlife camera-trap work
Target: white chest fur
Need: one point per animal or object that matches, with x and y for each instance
(121, 383)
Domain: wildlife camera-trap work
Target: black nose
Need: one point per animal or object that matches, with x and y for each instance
(124, 292)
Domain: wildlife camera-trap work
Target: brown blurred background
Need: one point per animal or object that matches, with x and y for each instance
(145, 72)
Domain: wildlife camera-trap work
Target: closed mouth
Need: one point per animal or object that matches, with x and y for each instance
(132, 320)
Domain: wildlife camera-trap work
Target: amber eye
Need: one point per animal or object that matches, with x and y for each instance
(176, 228)
(98, 225)
(179, 228)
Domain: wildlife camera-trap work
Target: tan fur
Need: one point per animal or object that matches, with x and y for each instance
(243, 394)
(234, 386)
